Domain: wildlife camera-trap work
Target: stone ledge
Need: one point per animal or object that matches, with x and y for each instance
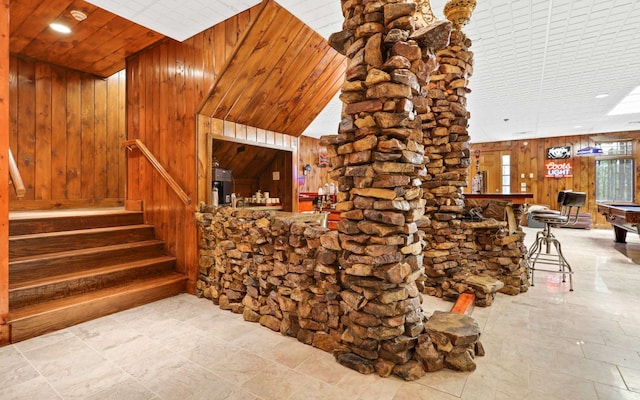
(493, 224)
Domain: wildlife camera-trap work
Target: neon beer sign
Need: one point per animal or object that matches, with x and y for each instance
(555, 169)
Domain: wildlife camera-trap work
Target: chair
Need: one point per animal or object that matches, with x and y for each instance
(570, 204)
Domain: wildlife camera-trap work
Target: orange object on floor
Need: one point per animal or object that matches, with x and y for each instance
(464, 304)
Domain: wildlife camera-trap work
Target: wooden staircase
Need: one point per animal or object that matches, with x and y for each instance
(66, 268)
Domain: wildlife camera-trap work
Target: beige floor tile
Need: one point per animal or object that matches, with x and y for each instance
(289, 352)
(408, 391)
(545, 344)
(14, 367)
(44, 340)
(173, 377)
(322, 366)
(278, 383)
(561, 385)
(128, 389)
(480, 385)
(524, 395)
(368, 387)
(33, 389)
(606, 392)
(593, 370)
(446, 381)
(318, 390)
(632, 378)
(621, 340)
(77, 373)
(612, 355)
(231, 363)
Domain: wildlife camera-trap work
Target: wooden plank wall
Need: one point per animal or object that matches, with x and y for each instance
(283, 164)
(166, 85)
(317, 177)
(4, 170)
(529, 157)
(213, 129)
(65, 133)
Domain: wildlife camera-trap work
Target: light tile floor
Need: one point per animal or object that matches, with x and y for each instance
(545, 344)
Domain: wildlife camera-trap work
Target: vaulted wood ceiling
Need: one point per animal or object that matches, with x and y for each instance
(282, 76)
(242, 159)
(98, 45)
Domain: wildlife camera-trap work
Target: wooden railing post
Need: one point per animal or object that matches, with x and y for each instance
(16, 178)
(129, 144)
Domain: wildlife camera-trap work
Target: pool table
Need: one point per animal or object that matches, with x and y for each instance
(625, 217)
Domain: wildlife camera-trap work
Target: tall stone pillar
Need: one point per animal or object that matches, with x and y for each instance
(446, 140)
(378, 159)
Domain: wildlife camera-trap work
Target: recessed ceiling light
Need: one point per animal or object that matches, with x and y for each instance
(78, 15)
(60, 28)
(602, 96)
(578, 126)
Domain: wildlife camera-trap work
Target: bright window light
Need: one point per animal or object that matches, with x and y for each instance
(628, 105)
(60, 28)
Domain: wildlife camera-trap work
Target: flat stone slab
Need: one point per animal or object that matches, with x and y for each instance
(486, 284)
(459, 328)
(490, 224)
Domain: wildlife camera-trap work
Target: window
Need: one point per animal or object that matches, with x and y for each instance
(506, 173)
(614, 172)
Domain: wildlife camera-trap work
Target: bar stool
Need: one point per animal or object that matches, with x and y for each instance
(570, 203)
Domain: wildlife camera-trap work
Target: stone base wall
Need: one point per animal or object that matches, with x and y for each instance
(285, 275)
(273, 271)
(490, 258)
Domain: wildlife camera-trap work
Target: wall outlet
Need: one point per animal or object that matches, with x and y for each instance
(276, 175)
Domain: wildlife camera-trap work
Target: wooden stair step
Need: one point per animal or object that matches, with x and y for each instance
(47, 288)
(29, 268)
(50, 242)
(24, 224)
(31, 321)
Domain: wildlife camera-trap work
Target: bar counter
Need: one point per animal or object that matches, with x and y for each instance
(515, 198)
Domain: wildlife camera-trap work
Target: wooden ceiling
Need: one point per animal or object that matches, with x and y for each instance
(282, 76)
(242, 159)
(98, 45)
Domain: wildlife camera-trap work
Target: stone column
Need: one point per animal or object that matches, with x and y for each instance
(378, 159)
(446, 140)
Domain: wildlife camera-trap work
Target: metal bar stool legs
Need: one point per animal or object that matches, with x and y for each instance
(570, 202)
(545, 239)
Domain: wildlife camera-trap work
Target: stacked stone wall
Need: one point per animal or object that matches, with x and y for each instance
(287, 276)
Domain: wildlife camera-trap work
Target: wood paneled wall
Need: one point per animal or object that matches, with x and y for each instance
(283, 164)
(317, 177)
(4, 170)
(529, 157)
(65, 133)
(213, 129)
(166, 86)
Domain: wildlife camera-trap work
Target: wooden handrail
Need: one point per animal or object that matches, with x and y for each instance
(129, 144)
(16, 178)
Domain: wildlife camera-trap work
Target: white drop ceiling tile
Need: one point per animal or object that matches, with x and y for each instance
(168, 16)
(318, 14)
(542, 66)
